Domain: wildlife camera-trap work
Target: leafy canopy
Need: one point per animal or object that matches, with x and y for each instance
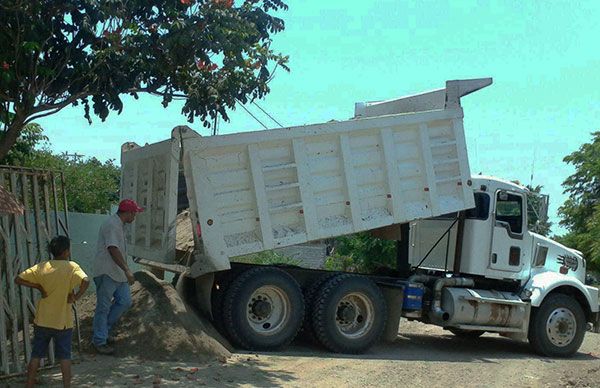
(361, 252)
(212, 53)
(581, 211)
(91, 185)
(31, 138)
(535, 222)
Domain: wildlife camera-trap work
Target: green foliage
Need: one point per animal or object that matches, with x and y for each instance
(583, 186)
(337, 262)
(581, 211)
(534, 205)
(362, 252)
(91, 185)
(211, 53)
(30, 139)
(267, 258)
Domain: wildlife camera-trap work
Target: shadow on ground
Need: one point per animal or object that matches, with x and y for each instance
(489, 348)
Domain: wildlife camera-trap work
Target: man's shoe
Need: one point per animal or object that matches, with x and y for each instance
(104, 349)
(111, 340)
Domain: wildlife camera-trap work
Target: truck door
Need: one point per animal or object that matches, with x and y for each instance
(508, 243)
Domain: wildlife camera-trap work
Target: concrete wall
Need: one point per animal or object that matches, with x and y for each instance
(83, 230)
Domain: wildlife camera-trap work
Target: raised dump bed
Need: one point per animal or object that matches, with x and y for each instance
(256, 191)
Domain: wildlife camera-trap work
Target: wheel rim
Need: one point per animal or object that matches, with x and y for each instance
(354, 315)
(268, 310)
(561, 327)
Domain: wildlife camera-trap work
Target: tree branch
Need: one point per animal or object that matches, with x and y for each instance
(155, 92)
(50, 109)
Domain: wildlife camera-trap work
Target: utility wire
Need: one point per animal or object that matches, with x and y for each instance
(265, 112)
(250, 113)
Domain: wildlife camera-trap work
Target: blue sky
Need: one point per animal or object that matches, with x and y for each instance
(544, 58)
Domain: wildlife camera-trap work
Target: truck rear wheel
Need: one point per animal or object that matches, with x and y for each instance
(310, 293)
(263, 309)
(557, 327)
(220, 287)
(349, 314)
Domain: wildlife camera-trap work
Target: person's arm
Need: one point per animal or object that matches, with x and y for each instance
(118, 258)
(74, 297)
(22, 282)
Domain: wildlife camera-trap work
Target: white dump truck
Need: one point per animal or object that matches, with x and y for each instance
(399, 168)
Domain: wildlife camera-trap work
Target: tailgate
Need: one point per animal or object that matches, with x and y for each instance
(149, 176)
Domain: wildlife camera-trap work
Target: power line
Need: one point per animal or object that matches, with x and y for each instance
(250, 113)
(265, 112)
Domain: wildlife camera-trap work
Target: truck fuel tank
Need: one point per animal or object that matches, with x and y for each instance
(483, 308)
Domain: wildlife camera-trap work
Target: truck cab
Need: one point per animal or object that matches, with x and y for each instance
(496, 240)
(537, 277)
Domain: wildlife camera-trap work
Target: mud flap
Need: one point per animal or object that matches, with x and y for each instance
(394, 297)
(204, 286)
(595, 322)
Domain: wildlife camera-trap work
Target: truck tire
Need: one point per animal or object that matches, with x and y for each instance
(466, 334)
(263, 309)
(217, 296)
(557, 327)
(349, 314)
(310, 293)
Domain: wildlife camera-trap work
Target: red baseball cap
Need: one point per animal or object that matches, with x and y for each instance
(129, 205)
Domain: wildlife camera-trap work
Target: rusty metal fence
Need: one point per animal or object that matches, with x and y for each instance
(23, 242)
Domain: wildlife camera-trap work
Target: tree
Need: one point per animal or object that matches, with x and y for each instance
(91, 185)
(211, 53)
(534, 206)
(581, 211)
(362, 252)
(31, 137)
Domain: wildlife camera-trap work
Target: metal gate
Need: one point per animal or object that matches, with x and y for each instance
(23, 242)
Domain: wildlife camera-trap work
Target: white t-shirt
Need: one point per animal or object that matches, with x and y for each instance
(111, 235)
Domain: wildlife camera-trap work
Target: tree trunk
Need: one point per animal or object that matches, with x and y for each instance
(10, 136)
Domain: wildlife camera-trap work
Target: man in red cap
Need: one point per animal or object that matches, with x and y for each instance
(112, 275)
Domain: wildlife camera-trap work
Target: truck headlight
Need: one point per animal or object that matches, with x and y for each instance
(526, 294)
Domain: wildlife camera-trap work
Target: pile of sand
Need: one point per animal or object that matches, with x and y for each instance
(184, 232)
(159, 325)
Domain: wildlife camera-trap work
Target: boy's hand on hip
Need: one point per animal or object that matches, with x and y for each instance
(44, 293)
(130, 277)
(72, 298)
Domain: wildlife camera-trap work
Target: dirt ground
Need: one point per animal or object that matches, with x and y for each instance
(421, 356)
(161, 343)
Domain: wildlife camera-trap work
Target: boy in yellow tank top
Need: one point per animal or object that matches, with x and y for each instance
(55, 279)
